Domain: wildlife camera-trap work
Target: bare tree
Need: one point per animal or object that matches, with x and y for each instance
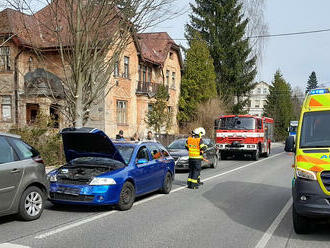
(254, 11)
(89, 36)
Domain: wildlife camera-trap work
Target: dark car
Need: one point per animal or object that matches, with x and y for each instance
(23, 183)
(101, 172)
(179, 152)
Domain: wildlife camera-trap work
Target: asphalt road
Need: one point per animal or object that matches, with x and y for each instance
(242, 204)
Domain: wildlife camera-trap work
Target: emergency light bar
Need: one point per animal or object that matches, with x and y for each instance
(318, 91)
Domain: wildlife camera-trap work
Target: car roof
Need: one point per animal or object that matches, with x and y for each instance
(134, 143)
(10, 135)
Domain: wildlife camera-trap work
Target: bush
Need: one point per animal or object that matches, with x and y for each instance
(44, 138)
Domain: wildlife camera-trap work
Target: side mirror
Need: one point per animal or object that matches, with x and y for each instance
(142, 161)
(289, 144)
(288, 129)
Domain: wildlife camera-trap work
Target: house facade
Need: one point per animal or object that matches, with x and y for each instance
(257, 100)
(149, 60)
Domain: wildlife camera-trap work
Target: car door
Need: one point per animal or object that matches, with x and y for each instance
(142, 173)
(210, 152)
(157, 166)
(11, 172)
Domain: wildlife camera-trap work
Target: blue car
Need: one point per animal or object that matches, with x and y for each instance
(101, 172)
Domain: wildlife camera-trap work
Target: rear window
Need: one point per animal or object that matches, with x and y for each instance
(24, 150)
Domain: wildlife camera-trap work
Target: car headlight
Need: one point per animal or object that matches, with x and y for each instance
(102, 181)
(52, 177)
(305, 174)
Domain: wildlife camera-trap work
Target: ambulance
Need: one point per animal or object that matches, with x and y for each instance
(311, 182)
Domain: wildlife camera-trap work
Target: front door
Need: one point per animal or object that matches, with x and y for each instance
(11, 172)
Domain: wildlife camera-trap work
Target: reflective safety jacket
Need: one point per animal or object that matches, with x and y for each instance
(195, 147)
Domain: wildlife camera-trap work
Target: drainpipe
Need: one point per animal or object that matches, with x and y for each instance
(16, 85)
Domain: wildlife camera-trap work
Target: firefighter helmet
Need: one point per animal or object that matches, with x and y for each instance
(199, 131)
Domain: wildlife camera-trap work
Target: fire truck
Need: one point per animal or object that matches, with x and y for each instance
(244, 134)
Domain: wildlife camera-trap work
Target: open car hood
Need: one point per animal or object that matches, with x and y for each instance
(88, 142)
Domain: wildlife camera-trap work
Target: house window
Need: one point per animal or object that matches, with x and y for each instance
(169, 109)
(32, 111)
(171, 55)
(116, 69)
(150, 107)
(126, 67)
(257, 104)
(144, 74)
(167, 77)
(265, 91)
(4, 59)
(259, 90)
(54, 114)
(6, 108)
(149, 74)
(121, 112)
(173, 79)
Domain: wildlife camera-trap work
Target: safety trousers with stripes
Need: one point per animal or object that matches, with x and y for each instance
(194, 172)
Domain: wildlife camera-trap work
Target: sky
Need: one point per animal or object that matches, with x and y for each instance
(295, 56)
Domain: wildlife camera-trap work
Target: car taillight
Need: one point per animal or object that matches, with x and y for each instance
(38, 159)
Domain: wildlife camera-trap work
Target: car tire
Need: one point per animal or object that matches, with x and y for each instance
(301, 224)
(167, 184)
(214, 162)
(127, 197)
(256, 155)
(31, 204)
(268, 152)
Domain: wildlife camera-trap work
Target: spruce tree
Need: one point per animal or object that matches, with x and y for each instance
(222, 25)
(198, 82)
(279, 105)
(312, 82)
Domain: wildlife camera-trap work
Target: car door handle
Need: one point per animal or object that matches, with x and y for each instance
(15, 171)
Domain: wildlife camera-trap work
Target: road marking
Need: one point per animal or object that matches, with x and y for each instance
(9, 245)
(99, 216)
(270, 231)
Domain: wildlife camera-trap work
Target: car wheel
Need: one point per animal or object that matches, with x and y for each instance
(268, 152)
(167, 184)
(256, 155)
(301, 224)
(127, 197)
(31, 204)
(214, 162)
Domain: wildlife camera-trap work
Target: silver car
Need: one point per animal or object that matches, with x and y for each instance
(23, 183)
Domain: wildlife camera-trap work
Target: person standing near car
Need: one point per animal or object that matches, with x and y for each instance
(195, 146)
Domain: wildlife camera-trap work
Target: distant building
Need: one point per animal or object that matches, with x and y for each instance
(258, 97)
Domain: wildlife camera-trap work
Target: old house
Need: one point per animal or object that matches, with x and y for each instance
(29, 85)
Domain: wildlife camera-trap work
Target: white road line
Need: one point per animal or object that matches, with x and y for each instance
(99, 216)
(9, 245)
(270, 231)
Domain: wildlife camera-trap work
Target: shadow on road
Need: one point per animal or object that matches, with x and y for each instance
(257, 205)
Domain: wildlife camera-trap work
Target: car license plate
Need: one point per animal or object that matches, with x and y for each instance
(68, 191)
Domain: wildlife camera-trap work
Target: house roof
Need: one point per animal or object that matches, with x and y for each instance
(156, 46)
(33, 31)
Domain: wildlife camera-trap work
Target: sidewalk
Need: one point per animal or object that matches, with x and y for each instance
(277, 144)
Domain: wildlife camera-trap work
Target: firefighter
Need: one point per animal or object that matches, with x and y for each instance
(195, 146)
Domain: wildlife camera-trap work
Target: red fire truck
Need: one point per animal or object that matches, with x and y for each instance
(244, 134)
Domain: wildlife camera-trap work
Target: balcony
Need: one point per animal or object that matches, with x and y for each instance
(146, 88)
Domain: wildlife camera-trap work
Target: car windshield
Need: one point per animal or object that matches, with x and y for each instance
(315, 130)
(178, 144)
(126, 152)
(237, 123)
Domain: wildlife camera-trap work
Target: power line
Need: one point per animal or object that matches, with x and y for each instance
(261, 36)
